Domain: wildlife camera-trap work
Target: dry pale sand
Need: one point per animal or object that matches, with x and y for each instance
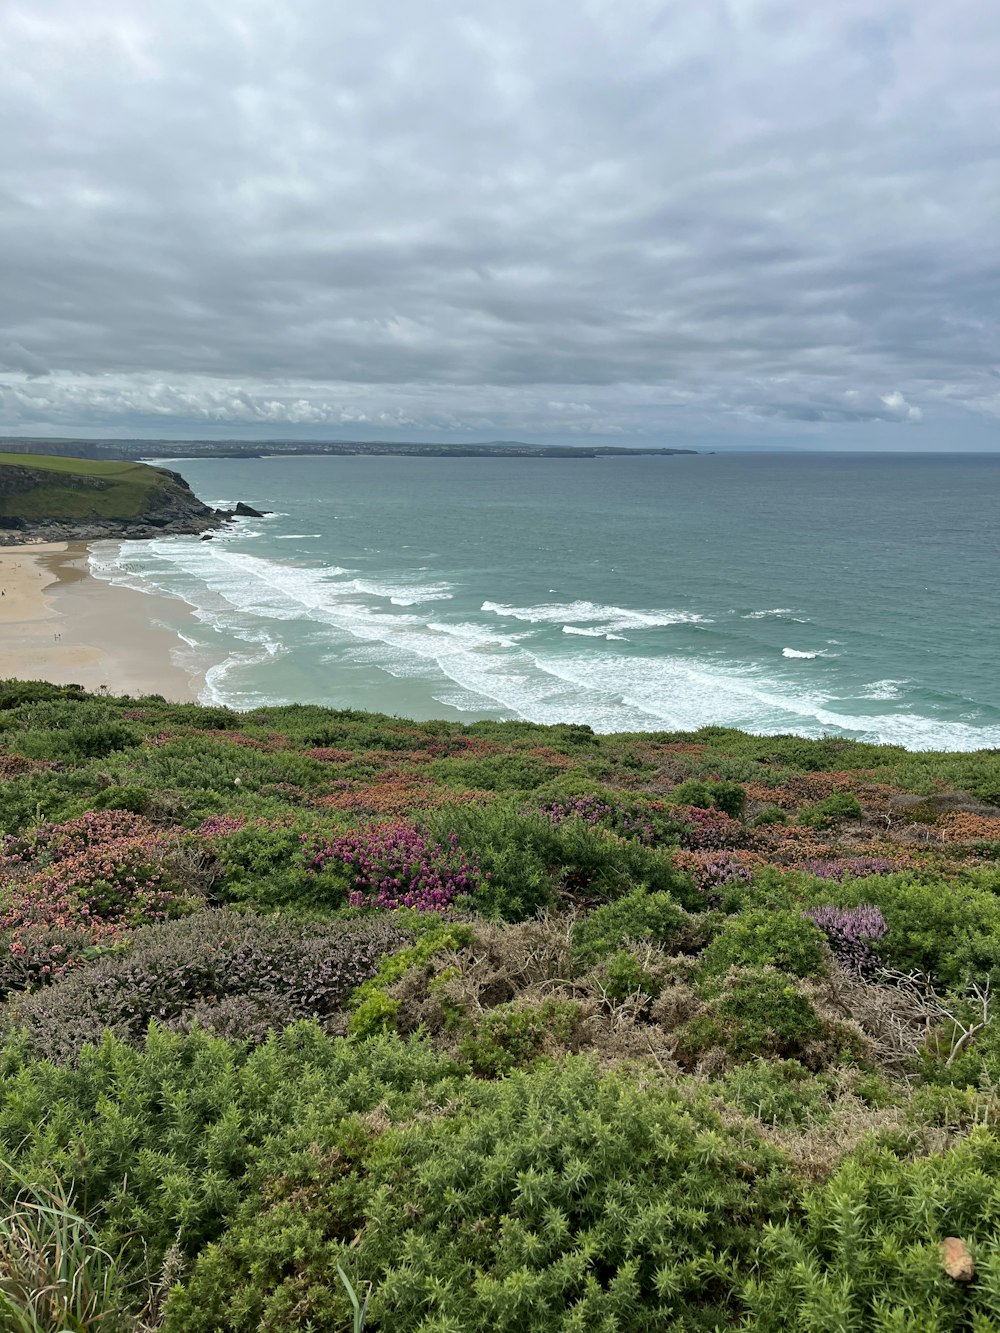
(57, 623)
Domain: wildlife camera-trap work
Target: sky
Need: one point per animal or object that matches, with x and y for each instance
(756, 223)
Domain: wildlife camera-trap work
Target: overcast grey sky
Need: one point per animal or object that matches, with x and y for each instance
(753, 221)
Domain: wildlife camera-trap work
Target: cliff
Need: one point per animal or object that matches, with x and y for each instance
(71, 499)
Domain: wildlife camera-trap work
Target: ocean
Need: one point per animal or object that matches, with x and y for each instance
(825, 594)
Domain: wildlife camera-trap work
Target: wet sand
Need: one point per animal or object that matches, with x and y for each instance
(57, 623)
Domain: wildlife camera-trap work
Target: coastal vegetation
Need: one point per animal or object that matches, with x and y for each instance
(47, 487)
(52, 498)
(319, 1019)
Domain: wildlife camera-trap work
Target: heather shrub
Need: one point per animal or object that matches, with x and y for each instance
(48, 843)
(851, 867)
(393, 865)
(238, 974)
(640, 916)
(714, 872)
(707, 830)
(627, 821)
(852, 933)
(553, 1198)
(89, 881)
(867, 1251)
(766, 938)
(835, 809)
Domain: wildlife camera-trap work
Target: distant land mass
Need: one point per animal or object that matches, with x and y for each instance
(55, 498)
(122, 450)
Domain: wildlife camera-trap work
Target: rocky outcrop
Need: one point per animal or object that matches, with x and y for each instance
(171, 509)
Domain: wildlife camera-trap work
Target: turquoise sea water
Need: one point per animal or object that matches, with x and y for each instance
(818, 594)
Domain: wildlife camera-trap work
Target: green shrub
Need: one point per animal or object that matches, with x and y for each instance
(374, 1011)
(133, 798)
(501, 773)
(527, 859)
(767, 938)
(513, 1035)
(835, 809)
(759, 1012)
(78, 743)
(553, 1198)
(866, 1254)
(622, 975)
(780, 1092)
(642, 916)
(773, 814)
(948, 928)
(729, 797)
(158, 1141)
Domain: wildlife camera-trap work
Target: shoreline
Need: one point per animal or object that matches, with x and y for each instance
(60, 624)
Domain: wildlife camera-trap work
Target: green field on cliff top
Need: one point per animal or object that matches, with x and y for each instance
(495, 1027)
(75, 488)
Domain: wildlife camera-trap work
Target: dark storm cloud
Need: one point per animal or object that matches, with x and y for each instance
(601, 218)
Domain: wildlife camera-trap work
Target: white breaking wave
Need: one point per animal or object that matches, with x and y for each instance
(598, 633)
(475, 668)
(403, 594)
(610, 618)
(882, 689)
(794, 652)
(776, 613)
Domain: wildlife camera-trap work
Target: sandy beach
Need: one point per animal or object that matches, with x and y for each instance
(57, 623)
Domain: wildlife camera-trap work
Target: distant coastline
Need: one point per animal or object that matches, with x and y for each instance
(175, 449)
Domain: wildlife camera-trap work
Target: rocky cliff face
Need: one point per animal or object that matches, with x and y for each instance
(170, 508)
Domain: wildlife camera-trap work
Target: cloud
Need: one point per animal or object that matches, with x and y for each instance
(900, 408)
(745, 218)
(17, 358)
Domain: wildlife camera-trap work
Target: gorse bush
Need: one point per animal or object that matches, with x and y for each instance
(867, 1254)
(785, 940)
(527, 861)
(760, 1012)
(555, 1199)
(729, 797)
(641, 916)
(159, 1140)
(842, 806)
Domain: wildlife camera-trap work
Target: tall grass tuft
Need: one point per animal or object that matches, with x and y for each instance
(54, 1276)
